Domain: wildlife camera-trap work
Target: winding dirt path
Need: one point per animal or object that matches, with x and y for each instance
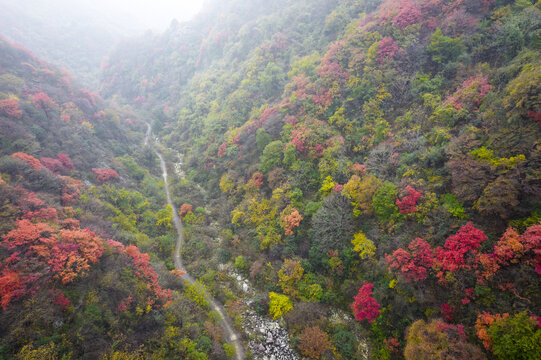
(227, 324)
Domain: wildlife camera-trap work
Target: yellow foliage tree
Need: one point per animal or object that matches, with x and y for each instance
(279, 305)
(289, 276)
(44, 352)
(360, 192)
(327, 186)
(226, 184)
(363, 245)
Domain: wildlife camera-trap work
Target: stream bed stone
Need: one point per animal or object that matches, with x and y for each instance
(269, 340)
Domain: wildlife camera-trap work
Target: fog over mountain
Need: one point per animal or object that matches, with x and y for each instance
(78, 34)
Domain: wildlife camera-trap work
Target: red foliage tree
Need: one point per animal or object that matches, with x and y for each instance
(364, 306)
(25, 242)
(61, 164)
(299, 137)
(458, 22)
(54, 165)
(28, 200)
(408, 203)
(60, 299)
(333, 70)
(103, 175)
(222, 149)
(42, 101)
(267, 113)
(531, 239)
(447, 311)
(409, 14)
(70, 224)
(124, 304)
(10, 107)
(276, 46)
(509, 248)
(117, 246)
(66, 161)
(71, 190)
(90, 245)
(88, 96)
(291, 120)
(10, 287)
(47, 252)
(289, 219)
(36, 237)
(185, 209)
(387, 49)
(469, 95)
(29, 159)
(358, 169)
(330, 68)
(413, 265)
(323, 97)
(301, 86)
(483, 323)
(47, 213)
(459, 251)
(146, 272)
(257, 179)
(392, 345)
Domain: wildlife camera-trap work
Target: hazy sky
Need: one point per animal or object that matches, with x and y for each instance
(152, 14)
(156, 14)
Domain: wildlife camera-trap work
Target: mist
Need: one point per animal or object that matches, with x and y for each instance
(77, 35)
(132, 14)
(155, 15)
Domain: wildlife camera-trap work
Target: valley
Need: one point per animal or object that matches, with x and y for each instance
(309, 179)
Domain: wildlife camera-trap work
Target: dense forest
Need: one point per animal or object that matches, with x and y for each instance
(363, 177)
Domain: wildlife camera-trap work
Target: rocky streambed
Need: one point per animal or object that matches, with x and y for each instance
(268, 339)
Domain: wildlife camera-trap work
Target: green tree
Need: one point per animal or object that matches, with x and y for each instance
(262, 139)
(443, 48)
(272, 156)
(516, 337)
(384, 203)
(345, 343)
(523, 92)
(240, 263)
(271, 80)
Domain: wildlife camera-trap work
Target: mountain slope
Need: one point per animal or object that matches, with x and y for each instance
(390, 163)
(85, 242)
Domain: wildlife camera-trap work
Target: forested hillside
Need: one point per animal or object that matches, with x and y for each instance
(373, 158)
(85, 233)
(356, 179)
